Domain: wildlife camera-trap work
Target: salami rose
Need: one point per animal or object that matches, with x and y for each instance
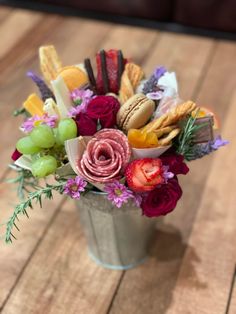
(105, 157)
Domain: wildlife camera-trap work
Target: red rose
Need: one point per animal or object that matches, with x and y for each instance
(15, 155)
(105, 109)
(162, 200)
(175, 162)
(145, 174)
(85, 125)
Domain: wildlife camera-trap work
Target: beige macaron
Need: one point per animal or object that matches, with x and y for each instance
(135, 112)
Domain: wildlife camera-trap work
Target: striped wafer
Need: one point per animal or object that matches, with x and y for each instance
(130, 79)
(49, 62)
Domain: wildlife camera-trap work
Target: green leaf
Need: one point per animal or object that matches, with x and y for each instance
(21, 209)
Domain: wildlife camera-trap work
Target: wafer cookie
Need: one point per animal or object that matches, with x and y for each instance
(49, 62)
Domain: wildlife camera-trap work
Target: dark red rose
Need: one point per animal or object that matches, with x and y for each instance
(162, 200)
(175, 162)
(85, 125)
(16, 155)
(105, 109)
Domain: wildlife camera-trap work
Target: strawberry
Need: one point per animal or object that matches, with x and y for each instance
(112, 70)
(99, 81)
(143, 175)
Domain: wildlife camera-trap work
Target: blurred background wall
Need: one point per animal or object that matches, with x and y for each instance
(218, 15)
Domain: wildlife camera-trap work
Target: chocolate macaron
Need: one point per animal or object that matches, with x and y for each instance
(135, 112)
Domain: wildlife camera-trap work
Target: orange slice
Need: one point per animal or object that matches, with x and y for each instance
(73, 77)
(142, 139)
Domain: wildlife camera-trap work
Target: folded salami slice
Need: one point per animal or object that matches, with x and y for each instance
(106, 156)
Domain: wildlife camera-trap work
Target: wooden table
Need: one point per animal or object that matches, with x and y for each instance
(192, 265)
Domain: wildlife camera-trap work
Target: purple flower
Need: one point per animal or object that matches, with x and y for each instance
(155, 95)
(137, 199)
(81, 98)
(118, 193)
(36, 120)
(218, 142)
(43, 88)
(74, 111)
(167, 174)
(73, 187)
(159, 71)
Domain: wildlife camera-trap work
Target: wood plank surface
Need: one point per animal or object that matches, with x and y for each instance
(193, 258)
(4, 12)
(232, 300)
(84, 27)
(40, 220)
(209, 262)
(14, 258)
(161, 271)
(61, 278)
(15, 27)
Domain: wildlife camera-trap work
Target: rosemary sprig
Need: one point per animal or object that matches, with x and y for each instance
(36, 196)
(24, 179)
(187, 134)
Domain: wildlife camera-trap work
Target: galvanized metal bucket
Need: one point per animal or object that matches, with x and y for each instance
(117, 238)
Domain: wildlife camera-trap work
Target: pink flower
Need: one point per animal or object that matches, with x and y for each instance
(73, 187)
(118, 193)
(137, 199)
(81, 98)
(36, 120)
(155, 95)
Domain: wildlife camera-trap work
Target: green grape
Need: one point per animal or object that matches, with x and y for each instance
(67, 129)
(26, 146)
(44, 166)
(43, 136)
(58, 142)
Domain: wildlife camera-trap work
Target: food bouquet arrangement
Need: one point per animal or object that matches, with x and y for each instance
(109, 129)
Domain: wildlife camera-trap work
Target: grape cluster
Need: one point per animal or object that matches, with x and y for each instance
(44, 145)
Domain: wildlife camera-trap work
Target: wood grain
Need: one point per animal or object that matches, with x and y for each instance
(4, 12)
(171, 240)
(28, 59)
(15, 27)
(177, 52)
(232, 304)
(61, 277)
(209, 277)
(21, 251)
(14, 257)
(129, 40)
(193, 258)
(75, 53)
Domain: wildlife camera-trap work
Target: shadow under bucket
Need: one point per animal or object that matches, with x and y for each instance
(118, 238)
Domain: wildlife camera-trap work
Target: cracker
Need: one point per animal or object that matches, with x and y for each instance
(165, 130)
(167, 139)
